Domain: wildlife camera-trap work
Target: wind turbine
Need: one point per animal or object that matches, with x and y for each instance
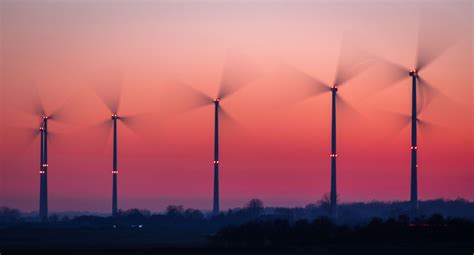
(430, 47)
(238, 71)
(43, 206)
(111, 97)
(57, 115)
(422, 93)
(352, 62)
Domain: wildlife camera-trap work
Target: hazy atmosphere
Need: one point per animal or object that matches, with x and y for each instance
(68, 52)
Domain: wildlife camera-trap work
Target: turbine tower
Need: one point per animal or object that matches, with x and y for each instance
(128, 121)
(414, 146)
(333, 194)
(43, 203)
(238, 71)
(215, 207)
(114, 166)
(422, 93)
(60, 114)
(109, 89)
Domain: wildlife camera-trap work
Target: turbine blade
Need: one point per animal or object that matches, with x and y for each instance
(297, 85)
(238, 72)
(313, 85)
(429, 128)
(63, 112)
(179, 98)
(430, 44)
(193, 98)
(229, 121)
(427, 93)
(397, 121)
(22, 137)
(424, 126)
(31, 133)
(53, 137)
(136, 122)
(352, 62)
(347, 111)
(109, 89)
(388, 73)
(37, 103)
(424, 96)
(60, 113)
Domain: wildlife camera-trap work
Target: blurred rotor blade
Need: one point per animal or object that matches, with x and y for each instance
(60, 113)
(31, 134)
(432, 24)
(312, 86)
(136, 122)
(347, 111)
(178, 98)
(352, 61)
(396, 121)
(53, 136)
(63, 112)
(38, 107)
(229, 121)
(427, 128)
(238, 72)
(23, 137)
(108, 87)
(427, 93)
(388, 73)
(297, 85)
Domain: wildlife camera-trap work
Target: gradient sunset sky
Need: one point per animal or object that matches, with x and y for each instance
(279, 152)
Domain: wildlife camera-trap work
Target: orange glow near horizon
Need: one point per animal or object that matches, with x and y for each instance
(278, 151)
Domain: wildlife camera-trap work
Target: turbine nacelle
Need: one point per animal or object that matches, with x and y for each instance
(216, 101)
(115, 116)
(334, 88)
(413, 73)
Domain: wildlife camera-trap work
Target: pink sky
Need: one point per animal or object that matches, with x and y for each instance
(281, 152)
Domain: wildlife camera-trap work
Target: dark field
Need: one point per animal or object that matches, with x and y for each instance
(373, 248)
(372, 228)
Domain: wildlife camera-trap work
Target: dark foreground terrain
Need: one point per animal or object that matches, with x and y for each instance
(373, 228)
(369, 249)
